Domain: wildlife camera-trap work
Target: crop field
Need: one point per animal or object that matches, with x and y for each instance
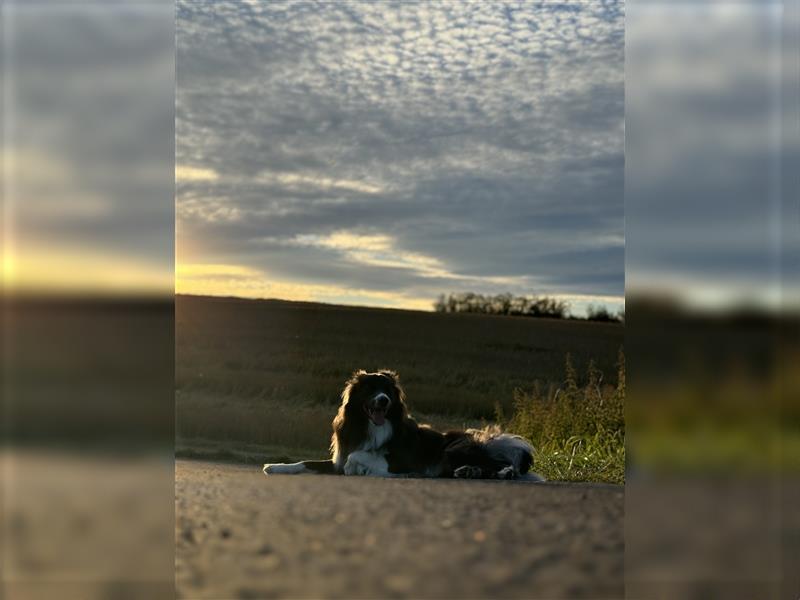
(259, 379)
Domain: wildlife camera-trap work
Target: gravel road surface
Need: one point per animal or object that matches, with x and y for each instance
(241, 534)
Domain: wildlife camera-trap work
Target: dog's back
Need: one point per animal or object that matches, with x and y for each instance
(489, 453)
(416, 449)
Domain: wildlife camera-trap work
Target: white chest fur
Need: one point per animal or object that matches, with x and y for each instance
(377, 436)
(373, 443)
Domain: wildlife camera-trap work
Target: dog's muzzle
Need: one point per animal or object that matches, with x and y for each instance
(377, 408)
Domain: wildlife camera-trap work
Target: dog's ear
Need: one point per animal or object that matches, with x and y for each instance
(348, 385)
(352, 380)
(348, 424)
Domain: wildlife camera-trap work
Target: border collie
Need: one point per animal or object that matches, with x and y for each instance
(374, 434)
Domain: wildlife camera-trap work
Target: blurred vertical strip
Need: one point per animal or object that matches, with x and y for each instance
(789, 383)
(88, 311)
(712, 421)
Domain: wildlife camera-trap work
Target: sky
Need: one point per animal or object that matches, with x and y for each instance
(88, 147)
(382, 154)
(712, 146)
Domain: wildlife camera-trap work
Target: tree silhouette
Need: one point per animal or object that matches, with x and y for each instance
(502, 304)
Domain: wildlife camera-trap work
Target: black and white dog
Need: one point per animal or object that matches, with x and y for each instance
(373, 434)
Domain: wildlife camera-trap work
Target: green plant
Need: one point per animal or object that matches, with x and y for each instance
(578, 429)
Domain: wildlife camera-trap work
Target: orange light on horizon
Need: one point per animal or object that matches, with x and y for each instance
(60, 270)
(245, 282)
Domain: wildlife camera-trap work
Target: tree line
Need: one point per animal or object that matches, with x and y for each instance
(522, 306)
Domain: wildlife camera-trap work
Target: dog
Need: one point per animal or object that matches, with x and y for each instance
(375, 435)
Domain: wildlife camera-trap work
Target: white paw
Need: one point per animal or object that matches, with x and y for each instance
(506, 473)
(354, 467)
(363, 462)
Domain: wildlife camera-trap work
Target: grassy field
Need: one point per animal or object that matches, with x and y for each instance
(261, 379)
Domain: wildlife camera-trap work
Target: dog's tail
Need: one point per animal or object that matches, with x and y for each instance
(508, 448)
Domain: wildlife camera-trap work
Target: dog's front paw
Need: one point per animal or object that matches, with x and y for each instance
(354, 467)
(507, 473)
(468, 472)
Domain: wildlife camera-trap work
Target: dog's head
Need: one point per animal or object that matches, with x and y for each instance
(377, 397)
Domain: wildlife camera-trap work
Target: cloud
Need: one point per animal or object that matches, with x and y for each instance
(374, 251)
(185, 173)
(405, 148)
(320, 182)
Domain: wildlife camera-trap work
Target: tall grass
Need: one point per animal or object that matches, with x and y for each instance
(578, 428)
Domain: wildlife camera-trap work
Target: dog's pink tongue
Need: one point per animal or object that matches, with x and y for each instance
(378, 417)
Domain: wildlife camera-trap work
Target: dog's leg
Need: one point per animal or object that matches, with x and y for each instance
(324, 467)
(307, 466)
(285, 469)
(468, 472)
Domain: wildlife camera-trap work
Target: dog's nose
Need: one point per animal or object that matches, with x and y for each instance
(381, 400)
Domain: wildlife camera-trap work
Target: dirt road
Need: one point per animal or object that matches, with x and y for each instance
(240, 534)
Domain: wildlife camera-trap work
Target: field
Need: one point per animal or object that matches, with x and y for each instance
(259, 380)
